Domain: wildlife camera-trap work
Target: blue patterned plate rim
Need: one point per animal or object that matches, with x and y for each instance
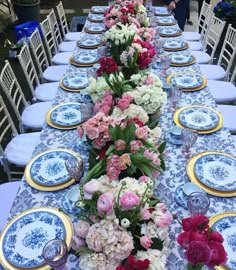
(79, 77)
(99, 9)
(21, 233)
(83, 43)
(72, 113)
(169, 31)
(179, 197)
(188, 76)
(213, 118)
(174, 42)
(76, 58)
(95, 27)
(227, 160)
(222, 222)
(189, 58)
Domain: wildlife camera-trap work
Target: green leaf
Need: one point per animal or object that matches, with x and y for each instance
(97, 170)
(162, 147)
(110, 149)
(157, 244)
(83, 250)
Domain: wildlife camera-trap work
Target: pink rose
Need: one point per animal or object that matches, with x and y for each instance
(144, 179)
(105, 203)
(142, 133)
(123, 103)
(77, 242)
(184, 239)
(128, 200)
(91, 187)
(145, 214)
(163, 220)
(218, 254)
(120, 145)
(135, 146)
(146, 242)
(125, 161)
(105, 109)
(81, 228)
(149, 81)
(198, 252)
(92, 133)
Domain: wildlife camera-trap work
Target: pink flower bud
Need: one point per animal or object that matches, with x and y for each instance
(146, 242)
(144, 179)
(142, 133)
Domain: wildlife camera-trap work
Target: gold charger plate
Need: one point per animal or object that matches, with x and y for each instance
(95, 21)
(172, 35)
(36, 185)
(52, 124)
(184, 64)
(93, 32)
(68, 88)
(204, 84)
(177, 122)
(194, 179)
(80, 64)
(166, 24)
(215, 218)
(69, 233)
(177, 49)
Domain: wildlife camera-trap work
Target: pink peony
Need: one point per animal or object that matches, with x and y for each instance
(215, 236)
(145, 214)
(218, 254)
(81, 228)
(135, 146)
(142, 133)
(198, 236)
(105, 203)
(198, 222)
(120, 145)
(146, 242)
(125, 161)
(91, 187)
(163, 220)
(113, 172)
(77, 242)
(184, 239)
(198, 252)
(128, 200)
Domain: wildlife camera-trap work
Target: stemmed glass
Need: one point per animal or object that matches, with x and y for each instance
(158, 44)
(175, 95)
(55, 254)
(75, 167)
(188, 138)
(165, 64)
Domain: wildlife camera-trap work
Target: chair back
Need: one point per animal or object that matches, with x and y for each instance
(38, 51)
(55, 27)
(12, 90)
(49, 39)
(214, 34)
(206, 26)
(228, 50)
(28, 68)
(62, 19)
(203, 15)
(233, 77)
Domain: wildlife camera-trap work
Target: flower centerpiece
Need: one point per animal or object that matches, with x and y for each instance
(226, 11)
(203, 245)
(121, 223)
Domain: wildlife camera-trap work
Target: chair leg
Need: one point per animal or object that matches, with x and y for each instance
(4, 162)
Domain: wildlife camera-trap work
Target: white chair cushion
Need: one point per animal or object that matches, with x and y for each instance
(46, 91)
(54, 73)
(191, 36)
(229, 112)
(213, 72)
(222, 91)
(61, 58)
(7, 195)
(73, 36)
(33, 115)
(201, 57)
(20, 149)
(67, 46)
(195, 45)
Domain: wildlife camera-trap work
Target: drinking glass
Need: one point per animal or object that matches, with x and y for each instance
(75, 167)
(86, 110)
(55, 254)
(175, 95)
(198, 203)
(188, 138)
(165, 64)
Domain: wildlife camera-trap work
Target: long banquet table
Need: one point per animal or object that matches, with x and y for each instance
(166, 183)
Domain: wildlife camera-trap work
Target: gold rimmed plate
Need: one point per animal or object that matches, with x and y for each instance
(225, 224)
(18, 238)
(47, 170)
(78, 64)
(196, 113)
(194, 179)
(74, 82)
(174, 34)
(184, 64)
(176, 49)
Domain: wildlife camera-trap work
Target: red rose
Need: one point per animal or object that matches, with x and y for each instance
(216, 237)
(183, 239)
(120, 267)
(198, 222)
(107, 65)
(123, 10)
(198, 252)
(218, 254)
(198, 236)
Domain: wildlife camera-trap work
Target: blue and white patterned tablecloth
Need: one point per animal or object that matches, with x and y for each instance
(166, 184)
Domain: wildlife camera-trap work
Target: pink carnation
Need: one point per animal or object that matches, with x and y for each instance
(128, 200)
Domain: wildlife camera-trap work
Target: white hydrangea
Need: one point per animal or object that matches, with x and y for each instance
(132, 185)
(96, 261)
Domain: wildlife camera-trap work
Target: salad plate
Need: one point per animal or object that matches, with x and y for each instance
(166, 20)
(89, 42)
(84, 59)
(217, 171)
(182, 59)
(47, 171)
(96, 17)
(74, 81)
(23, 239)
(211, 172)
(199, 118)
(225, 224)
(175, 45)
(171, 139)
(95, 28)
(99, 9)
(170, 32)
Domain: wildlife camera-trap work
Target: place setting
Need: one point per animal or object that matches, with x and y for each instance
(174, 45)
(180, 59)
(166, 21)
(93, 17)
(74, 81)
(84, 58)
(95, 28)
(169, 31)
(162, 11)
(89, 42)
(98, 9)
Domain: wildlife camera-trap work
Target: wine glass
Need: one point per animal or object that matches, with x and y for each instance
(55, 254)
(198, 203)
(175, 95)
(165, 64)
(75, 167)
(188, 138)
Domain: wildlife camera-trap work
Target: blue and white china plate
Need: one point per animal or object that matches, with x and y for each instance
(166, 20)
(173, 44)
(99, 9)
(162, 11)
(169, 31)
(225, 224)
(74, 81)
(95, 28)
(89, 42)
(199, 118)
(48, 169)
(172, 140)
(24, 239)
(179, 197)
(68, 114)
(216, 171)
(85, 58)
(96, 17)
(181, 58)
(187, 80)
